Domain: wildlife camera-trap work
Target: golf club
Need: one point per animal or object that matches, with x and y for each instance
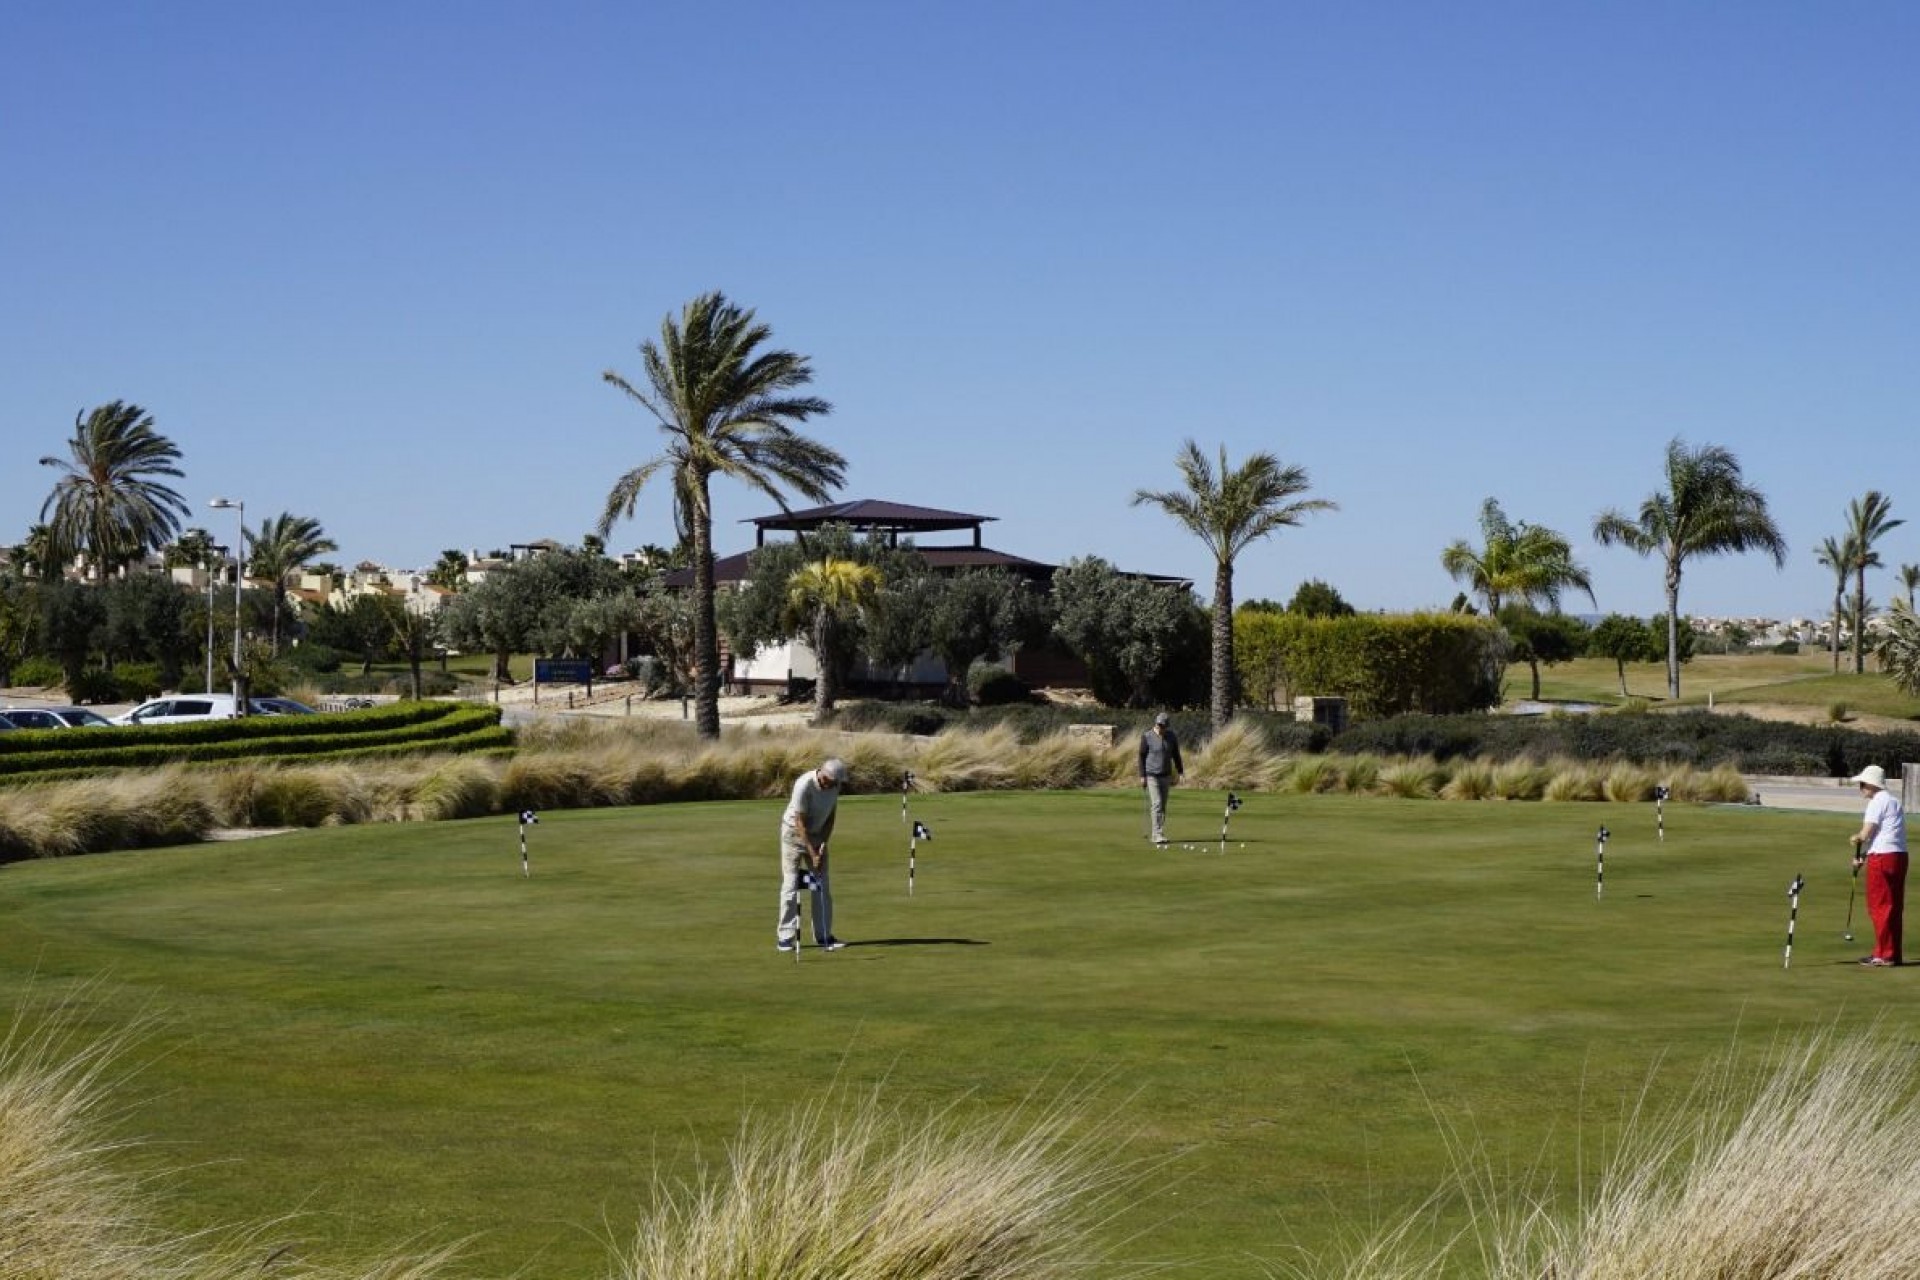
(1851, 894)
(1600, 865)
(526, 816)
(1793, 914)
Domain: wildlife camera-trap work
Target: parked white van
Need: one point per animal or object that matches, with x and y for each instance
(180, 708)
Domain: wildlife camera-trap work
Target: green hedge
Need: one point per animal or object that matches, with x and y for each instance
(1384, 665)
(405, 726)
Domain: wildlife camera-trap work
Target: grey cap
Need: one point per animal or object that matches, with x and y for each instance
(1161, 718)
(835, 769)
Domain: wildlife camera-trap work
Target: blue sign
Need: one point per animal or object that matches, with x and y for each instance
(562, 671)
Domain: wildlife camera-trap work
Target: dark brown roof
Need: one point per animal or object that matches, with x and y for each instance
(733, 568)
(866, 513)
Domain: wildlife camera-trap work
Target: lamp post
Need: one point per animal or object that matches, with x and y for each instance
(239, 508)
(215, 554)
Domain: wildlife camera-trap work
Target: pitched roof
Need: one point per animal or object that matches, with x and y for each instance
(866, 513)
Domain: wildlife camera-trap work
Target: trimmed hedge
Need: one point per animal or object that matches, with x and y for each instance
(1700, 738)
(433, 726)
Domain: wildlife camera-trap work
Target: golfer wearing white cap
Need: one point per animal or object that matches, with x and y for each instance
(805, 828)
(1881, 847)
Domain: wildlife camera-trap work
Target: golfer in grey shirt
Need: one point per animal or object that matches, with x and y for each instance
(805, 828)
(1160, 764)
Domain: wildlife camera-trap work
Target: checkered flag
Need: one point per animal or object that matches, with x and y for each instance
(920, 831)
(526, 816)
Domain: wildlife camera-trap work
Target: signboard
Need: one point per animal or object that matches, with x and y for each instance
(562, 671)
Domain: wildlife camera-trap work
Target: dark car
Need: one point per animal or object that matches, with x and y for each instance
(279, 707)
(5, 724)
(54, 717)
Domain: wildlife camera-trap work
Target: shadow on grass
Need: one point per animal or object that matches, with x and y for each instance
(919, 942)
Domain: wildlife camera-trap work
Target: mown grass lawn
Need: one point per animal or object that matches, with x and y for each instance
(393, 1034)
(1802, 679)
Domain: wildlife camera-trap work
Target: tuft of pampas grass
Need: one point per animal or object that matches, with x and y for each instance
(1629, 783)
(1574, 780)
(851, 1189)
(1414, 778)
(1237, 758)
(1471, 780)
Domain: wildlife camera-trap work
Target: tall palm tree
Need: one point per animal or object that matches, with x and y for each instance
(1837, 555)
(726, 409)
(1228, 513)
(37, 556)
(820, 594)
(1707, 509)
(1910, 581)
(107, 504)
(1868, 517)
(1524, 563)
(285, 543)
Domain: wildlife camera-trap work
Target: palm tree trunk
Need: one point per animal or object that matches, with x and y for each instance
(1222, 644)
(1834, 639)
(706, 645)
(825, 691)
(1673, 631)
(1859, 619)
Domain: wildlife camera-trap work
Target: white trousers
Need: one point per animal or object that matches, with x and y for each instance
(793, 860)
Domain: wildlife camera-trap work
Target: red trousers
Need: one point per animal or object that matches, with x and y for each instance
(1886, 902)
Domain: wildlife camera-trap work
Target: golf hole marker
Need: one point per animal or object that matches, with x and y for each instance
(920, 832)
(1660, 795)
(1233, 803)
(1600, 864)
(527, 818)
(1793, 914)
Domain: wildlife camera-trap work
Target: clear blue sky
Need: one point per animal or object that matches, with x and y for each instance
(366, 262)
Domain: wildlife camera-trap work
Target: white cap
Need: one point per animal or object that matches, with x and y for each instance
(835, 769)
(1873, 776)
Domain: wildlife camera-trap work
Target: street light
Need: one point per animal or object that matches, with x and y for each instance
(239, 507)
(215, 553)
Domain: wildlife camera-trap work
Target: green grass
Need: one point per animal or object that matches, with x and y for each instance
(1802, 679)
(390, 1031)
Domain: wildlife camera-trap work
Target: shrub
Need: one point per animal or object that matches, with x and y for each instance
(313, 659)
(135, 682)
(37, 672)
(993, 686)
(1787, 647)
(1417, 778)
(94, 685)
(1471, 780)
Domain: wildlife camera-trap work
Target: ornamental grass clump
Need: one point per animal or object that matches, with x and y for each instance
(1629, 783)
(1236, 758)
(850, 1189)
(1471, 780)
(1417, 778)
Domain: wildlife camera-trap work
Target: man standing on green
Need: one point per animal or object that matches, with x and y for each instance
(1159, 765)
(805, 828)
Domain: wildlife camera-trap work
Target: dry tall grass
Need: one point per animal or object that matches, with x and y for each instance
(1810, 1173)
(66, 1215)
(584, 763)
(852, 1190)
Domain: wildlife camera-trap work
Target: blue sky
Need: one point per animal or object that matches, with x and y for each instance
(366, 262)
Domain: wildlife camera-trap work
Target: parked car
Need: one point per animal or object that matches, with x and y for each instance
(279, 707)
(54, 717)
(5, 724)
(181, 708)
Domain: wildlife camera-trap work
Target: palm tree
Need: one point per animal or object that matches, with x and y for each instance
(1837, 555)
(1910, 581)
(36, 555)
(1707, 509)
(1228, 513)
(1524, 563)
(726, 410)
(819, 594)
(450, 570)
(1868, 517)
(107, 505)
(284, 543)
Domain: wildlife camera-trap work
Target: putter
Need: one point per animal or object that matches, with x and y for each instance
(1793, 914)
(1848, 935)
(526, 816)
